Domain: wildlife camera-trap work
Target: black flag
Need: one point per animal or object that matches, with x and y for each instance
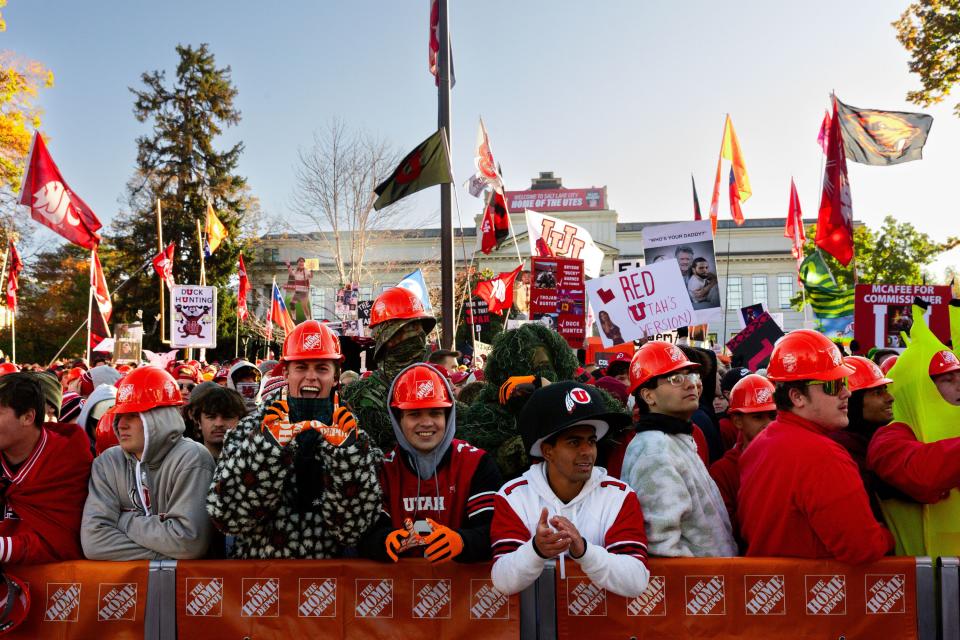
(882, 137)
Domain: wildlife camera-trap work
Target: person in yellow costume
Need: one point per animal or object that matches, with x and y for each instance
(919, 452)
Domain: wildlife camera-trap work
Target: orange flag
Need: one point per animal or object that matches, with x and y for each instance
(730, 150)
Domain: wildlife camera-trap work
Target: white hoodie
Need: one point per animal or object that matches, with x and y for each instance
(607, 514)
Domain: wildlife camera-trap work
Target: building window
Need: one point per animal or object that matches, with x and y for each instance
(785, 289)
(318, 303)
(759, 283)
(384, 287)
(366, 292)
(271, 254)
(734, 292)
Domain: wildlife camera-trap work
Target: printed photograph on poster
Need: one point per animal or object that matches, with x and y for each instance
(194, 317)
(750, 313)
(128, 343)
(545, 274)
(297, 290)
(883, 311)
(691, 245)
(638, 303)
(570, 301)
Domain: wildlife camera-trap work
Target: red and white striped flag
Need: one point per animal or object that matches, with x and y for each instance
(99, 285)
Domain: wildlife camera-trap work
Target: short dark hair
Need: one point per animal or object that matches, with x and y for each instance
(697, 261)
(440, 354)
(617, 367)
(781, 395)
(21, 392)
(216, 401)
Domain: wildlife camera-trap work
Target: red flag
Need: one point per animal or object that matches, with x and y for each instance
(495, 225)
(835, 219)
(498, 292)
(277, 313)
(52, 203)
(163, 265)
(823, 138)
(99, 285)
(696, 200)
(13, 277)
(245, 288)
(735, 212)
(794, 227)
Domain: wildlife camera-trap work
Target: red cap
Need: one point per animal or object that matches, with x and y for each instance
(654, 359)
(146, 388)
(867, 374)
(186, 371)
(397, 303)
(311, 340)
(752, 394)
(806, 355)
(420, 387)
(943, 362)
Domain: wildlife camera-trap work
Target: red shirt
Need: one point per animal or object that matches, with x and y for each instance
(801, 496)
(726, 473)
(924, 471)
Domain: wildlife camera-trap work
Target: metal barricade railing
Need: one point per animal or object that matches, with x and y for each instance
(950, 598)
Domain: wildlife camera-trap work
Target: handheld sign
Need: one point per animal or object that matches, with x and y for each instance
(194, 313)
(752, 347)
(640, 302)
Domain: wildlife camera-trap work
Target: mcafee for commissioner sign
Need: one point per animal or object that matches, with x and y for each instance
(883, 311)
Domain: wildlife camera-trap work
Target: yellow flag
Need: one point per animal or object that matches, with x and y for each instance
(215, 230)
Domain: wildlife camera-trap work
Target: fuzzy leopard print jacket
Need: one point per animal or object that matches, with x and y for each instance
(253, 495)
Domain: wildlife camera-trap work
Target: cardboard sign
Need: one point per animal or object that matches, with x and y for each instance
(640, 302)
(194, 313)
(623, 265)
(882, 311)
(557, 297)
(128, 343)
(691, 245)
(341, 599)
(557, 199)
(752, 347)
(731, 598)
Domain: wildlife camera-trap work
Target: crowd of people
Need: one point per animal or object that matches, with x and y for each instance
(538, 455)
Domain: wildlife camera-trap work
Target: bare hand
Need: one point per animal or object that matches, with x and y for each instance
(577, 545)
(550, 543)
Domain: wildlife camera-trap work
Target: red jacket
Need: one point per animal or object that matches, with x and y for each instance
(801, 496)
(44, 499)
(924, 471)
(726, 473)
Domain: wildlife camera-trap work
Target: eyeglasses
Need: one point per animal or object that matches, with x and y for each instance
(677, 379)
(830, 387)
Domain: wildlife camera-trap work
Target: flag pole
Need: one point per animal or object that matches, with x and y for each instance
(203, 266)
(447, 278)
(3, 273)
(236, 338)
(89, 308)
(163, 306)
(13, 335)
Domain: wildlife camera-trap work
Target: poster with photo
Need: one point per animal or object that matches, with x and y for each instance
(128, 343)
(558, 297)
(691, 245)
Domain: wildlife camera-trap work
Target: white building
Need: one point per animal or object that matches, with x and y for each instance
(754, 262)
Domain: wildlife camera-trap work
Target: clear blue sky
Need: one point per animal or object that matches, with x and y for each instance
(621, 93)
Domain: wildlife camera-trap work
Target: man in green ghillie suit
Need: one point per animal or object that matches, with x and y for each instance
(400, 327)
(521, 361)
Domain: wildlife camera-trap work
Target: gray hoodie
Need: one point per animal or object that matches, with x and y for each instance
(426, 463)
(160, 517)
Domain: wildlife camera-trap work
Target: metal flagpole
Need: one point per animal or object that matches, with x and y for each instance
(236, 340)
(163, 306)
(447, 279)
(89, 308)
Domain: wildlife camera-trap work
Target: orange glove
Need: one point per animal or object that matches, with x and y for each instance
(400, 540)
(445, 544)
(508, 387)
(276, 422)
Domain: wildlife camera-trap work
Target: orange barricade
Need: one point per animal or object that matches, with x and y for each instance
(335, 598)
(747, 598)
(84, 599)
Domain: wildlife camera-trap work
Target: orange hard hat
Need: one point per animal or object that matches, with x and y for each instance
(8, 367)
(943, 362)
(186, 371)
(420, 386)
(654, 359)
(15, 594)
(146, 388)
(888, 363)
(397, 303)
(311, 340)
(867, 374)
(752, 394)
(105, 436)
(806, 355)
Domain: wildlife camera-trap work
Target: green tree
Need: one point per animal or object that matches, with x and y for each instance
(179, 164)
(894, 254)
(930, 31)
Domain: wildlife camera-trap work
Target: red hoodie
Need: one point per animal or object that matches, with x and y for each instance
(801, 496)
(44, 498)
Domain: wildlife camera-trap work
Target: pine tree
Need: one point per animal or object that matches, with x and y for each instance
(179, 163)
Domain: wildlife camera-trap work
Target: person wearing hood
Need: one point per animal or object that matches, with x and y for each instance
(102, 398)
(683, 509)
(146, 497)
(244, 378)
(297, 478)
(400, 326)
(565, 506)
(437, 490)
